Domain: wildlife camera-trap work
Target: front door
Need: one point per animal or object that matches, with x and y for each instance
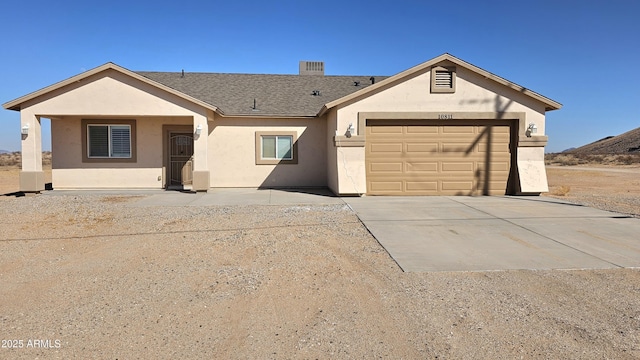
(180, 159)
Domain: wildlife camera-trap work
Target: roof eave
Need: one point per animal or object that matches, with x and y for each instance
(322, 111)
(549, 104)
(270, 116)
(16, 104)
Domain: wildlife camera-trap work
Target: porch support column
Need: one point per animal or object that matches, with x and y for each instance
(531, 170)
(201, 174)
(31, 175)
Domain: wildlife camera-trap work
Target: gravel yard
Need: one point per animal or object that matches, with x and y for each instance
(92, 277)
(611, 188)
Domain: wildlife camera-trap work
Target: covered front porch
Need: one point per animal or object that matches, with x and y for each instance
(112, 128)
(136, 152)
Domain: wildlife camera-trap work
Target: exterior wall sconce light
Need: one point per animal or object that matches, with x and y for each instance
(25, 130)
(532, 129)
(198, 129)
(350, 130)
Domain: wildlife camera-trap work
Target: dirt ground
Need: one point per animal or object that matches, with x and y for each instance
(10, 178)
(94, 277)
(613, 188)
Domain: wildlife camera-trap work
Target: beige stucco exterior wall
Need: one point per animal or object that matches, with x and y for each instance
(531, 169)
(113, 95)
(474, 94)
(224, 153)
(233, 161)
(332, 151)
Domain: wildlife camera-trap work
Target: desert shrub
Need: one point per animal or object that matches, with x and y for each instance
(46, 158)
(561, 190)
(570, 159)
(628, 159)
(15, 158)
(562, 159)
(10, 159)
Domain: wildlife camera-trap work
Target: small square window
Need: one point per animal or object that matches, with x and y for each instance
(443, 79)
(108, 140)
(276, 148)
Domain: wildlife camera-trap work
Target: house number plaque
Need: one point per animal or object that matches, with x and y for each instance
(445, 116)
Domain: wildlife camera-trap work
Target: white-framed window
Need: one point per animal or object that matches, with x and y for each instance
(276, 148)
(109, 141)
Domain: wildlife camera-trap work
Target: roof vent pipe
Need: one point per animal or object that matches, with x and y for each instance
(182, 73)
(373, 80)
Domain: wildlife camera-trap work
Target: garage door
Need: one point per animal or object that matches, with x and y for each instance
(437, 158)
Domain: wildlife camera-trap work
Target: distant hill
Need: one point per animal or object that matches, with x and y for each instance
(627, 143)
(4, 151)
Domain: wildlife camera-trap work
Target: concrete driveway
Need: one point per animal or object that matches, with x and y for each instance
(498, 233)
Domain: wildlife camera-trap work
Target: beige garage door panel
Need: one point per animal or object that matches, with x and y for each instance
(420, 167)
(387, 130)
(457, 166)
(456, 185)
(413, 147)
(387, 186)
(389, 168)
(419, 186)
(381, 148)
(458, 130)
(437, 158)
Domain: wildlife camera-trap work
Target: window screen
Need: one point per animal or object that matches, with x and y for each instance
(107, 141)
(277, 147)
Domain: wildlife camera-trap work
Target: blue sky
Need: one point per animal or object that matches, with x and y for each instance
(583, 54)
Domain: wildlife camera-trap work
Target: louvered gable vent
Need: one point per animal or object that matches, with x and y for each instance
(443, 79)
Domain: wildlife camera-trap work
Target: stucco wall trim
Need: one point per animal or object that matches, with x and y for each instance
(31, 181)
(444, 115)
(351, 141)
(134, 148)
(258, 147)
(534, 141)
(523, 139)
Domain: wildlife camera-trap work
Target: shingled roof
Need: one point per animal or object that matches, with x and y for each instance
(275, 95)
